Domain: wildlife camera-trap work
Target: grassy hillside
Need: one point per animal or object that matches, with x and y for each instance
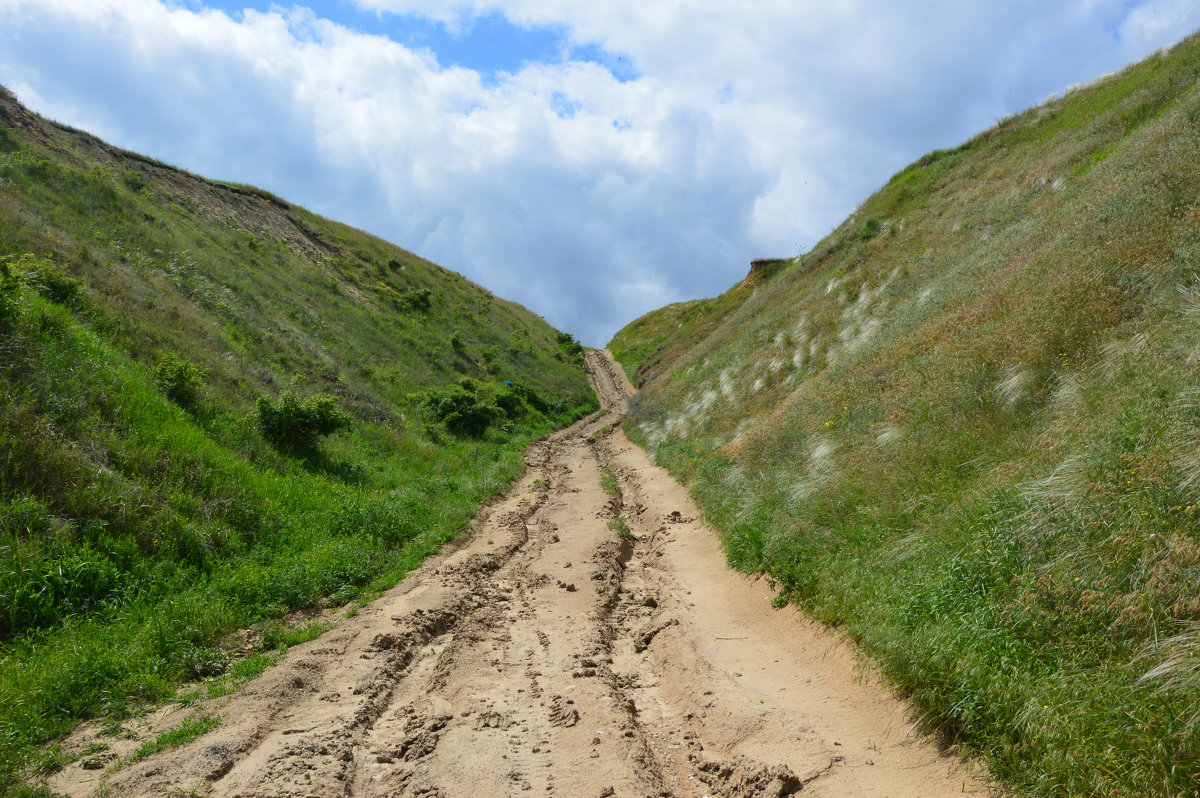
(663, 334)
(966, 426)
(216, 408)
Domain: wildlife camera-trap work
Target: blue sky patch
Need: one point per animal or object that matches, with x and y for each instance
(563, 105)
(489, 45)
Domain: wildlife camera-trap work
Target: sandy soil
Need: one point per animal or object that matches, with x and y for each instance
(552, 655)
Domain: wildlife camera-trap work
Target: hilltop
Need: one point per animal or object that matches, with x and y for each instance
(965, 428)
(216, 409)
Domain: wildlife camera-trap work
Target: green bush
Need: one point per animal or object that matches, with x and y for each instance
(298, 424)
(419, 299)
(179, 378)
(460, 408)
(10, 294)
(569, 344)
(8, 142)
(44, 277)
(39, 274)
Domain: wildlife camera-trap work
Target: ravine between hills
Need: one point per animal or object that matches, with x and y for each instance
(586, 638)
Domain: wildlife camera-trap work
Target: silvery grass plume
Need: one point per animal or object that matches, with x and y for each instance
(1014, 385)
(1187, 459)
(888, 433)
(1067, 392)
(1191, 299)
(818, 469)
(1179, 669)
(1052, 495)
(1116, 354)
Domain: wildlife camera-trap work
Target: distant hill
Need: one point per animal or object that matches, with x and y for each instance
(217, 408)
(966, 427)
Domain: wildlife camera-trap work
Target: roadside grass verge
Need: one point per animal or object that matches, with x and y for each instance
(184, 733)
(620, 525)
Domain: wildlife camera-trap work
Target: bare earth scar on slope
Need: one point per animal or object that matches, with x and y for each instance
(550, 655)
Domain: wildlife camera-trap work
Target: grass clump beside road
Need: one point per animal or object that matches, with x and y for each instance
(608, 482)
(184, 733)
(971, 437)
(215, 410)
(621, 526)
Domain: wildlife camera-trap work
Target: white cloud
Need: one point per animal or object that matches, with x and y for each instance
(748, 131)
(1157, 24)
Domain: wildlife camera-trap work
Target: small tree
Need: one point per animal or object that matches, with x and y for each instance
(419, 299)
(46, 278)
(10, 296)
(179, 378)
(460, 408)
(296, 424)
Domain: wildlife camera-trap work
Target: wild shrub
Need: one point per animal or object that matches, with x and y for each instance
(460, 408)
(179, 378)
(47, 279)
(569, 344)
(414, 299)
(297, 424)
(10, 296)
(510, 402)
(532, 398)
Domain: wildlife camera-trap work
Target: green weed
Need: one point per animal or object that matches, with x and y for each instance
(178, 378)
(608, 482)
(279, 638)
(621, 527)
(182, 734)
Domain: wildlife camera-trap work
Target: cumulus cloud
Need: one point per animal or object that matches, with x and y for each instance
(589, 196)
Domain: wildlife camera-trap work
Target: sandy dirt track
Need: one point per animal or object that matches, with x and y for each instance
(551, 655)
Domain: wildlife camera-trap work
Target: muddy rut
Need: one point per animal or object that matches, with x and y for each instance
(580, 642)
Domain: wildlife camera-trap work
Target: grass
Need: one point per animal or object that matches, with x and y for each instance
(184, 733)
(643, 343)
(608, 482)
(621, 526)
(280, 638)
(970, 436)
(144, 514)
(239, 673)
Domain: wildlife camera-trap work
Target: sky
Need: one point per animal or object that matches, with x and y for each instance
(591, 160)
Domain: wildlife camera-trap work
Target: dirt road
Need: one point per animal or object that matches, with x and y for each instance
(581, 642)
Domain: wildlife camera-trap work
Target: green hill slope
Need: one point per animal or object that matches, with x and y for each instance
(966, 426)
(216, 408)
